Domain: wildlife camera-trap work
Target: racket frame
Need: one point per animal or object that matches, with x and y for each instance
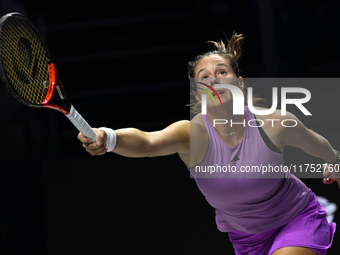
(3, 75)
(53, 84)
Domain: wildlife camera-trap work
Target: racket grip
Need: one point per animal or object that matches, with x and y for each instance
(81, 124)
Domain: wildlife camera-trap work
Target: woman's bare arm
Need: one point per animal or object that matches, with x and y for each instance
(132, 142)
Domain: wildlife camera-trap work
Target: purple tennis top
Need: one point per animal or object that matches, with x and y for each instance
(245, 200)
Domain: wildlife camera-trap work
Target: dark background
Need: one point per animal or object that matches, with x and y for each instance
(124, 64)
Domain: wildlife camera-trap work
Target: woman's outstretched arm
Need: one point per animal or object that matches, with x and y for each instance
(132, 142)
(314, 144)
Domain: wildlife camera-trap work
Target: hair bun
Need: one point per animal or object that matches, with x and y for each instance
(233, 47)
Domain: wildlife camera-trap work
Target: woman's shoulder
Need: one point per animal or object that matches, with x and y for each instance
(197, 123)
(277, 115)
(199, 140)
(197, 119)
(276, 124)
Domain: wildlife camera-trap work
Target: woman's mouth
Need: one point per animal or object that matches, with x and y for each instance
(218, 92)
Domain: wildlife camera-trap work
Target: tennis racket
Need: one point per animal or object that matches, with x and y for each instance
(28, 73)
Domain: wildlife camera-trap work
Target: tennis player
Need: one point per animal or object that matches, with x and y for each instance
(275, 215)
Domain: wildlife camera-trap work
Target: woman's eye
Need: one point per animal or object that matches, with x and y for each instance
(223, 72)
(204, 77)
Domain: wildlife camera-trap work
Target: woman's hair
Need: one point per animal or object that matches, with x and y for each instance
(232, 52)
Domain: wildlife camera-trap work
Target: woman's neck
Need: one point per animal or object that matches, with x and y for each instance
(226, 123)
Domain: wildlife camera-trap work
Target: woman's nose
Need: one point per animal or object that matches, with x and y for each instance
(213, 81)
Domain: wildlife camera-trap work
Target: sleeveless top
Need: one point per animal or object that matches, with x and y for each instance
(245, 200)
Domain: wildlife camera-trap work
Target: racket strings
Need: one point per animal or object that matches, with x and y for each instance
(25, 60)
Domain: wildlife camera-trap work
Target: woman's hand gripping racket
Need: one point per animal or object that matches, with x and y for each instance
(27, 70)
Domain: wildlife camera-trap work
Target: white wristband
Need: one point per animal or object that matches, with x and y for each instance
(111, 138)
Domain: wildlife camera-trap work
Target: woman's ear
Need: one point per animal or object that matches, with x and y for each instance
(241, 82)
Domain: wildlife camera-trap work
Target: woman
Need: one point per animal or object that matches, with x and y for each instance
(272, 214)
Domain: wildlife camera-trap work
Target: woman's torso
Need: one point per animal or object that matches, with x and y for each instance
(247, 183)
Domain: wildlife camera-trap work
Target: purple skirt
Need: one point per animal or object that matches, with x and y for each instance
(308, 229)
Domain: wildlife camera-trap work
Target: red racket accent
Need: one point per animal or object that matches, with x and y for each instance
(52, 74)
(51, 85)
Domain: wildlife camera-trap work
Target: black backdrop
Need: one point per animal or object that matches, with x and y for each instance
(123, 64)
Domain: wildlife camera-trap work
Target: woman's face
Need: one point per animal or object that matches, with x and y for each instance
(213, 66)
(211, 70)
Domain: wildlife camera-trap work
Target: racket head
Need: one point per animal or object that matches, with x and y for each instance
(24, 59)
